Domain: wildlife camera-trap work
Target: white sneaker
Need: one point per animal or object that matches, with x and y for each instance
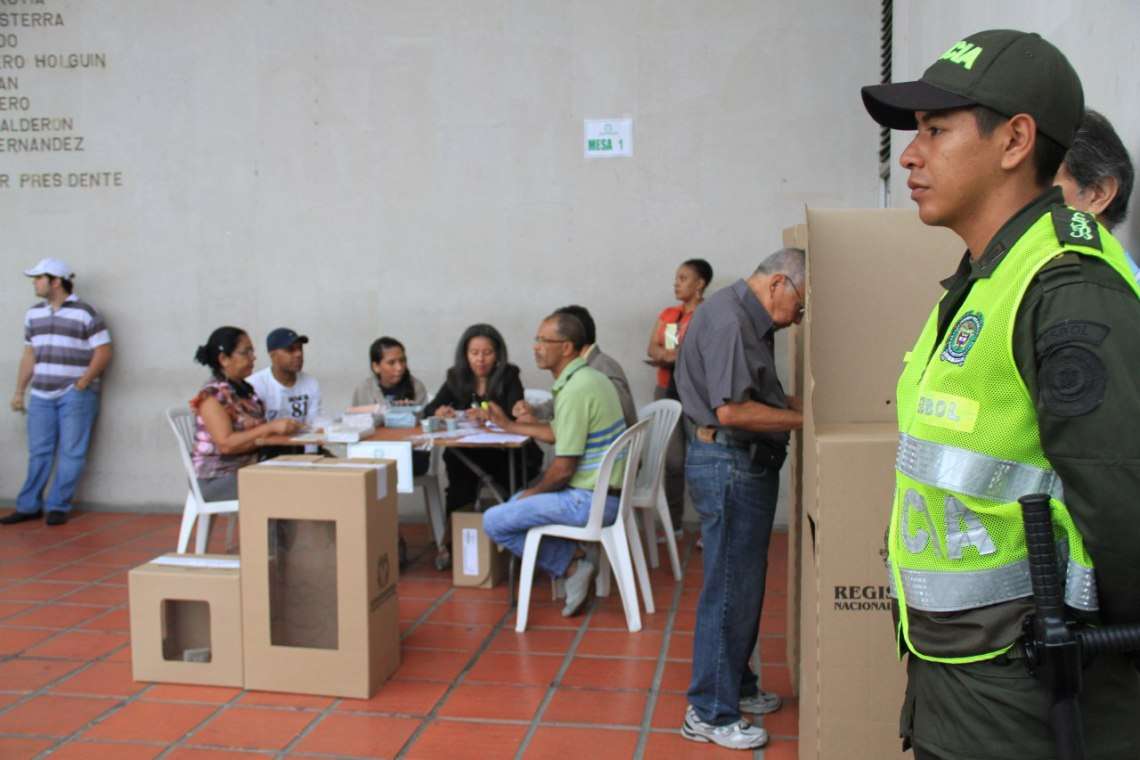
(677, 534)
(578, 587)
(762, 703)
(738, 735)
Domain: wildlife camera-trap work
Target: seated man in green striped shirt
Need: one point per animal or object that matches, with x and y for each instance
(587, 419)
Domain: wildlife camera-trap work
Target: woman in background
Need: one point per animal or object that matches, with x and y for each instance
(390, 381)
(689, 284)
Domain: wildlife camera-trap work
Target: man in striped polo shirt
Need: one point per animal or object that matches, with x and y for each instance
(587, 419)
(66, 349)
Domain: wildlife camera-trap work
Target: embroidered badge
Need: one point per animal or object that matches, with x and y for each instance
(1079, 227)
(962, 338)
(1075, 227)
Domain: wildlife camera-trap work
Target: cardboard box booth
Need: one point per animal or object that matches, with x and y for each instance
(476, 560)
(873, 276)
(320, 564)
(185, 617)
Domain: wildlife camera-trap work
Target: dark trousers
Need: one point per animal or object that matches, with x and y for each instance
(736, 501)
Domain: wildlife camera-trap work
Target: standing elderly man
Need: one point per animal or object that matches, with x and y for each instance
(737, 423)
(66, 349)
(587, 419)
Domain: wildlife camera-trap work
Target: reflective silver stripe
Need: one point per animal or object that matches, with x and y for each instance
(938, 591)
(973, 474)
(1080, 588)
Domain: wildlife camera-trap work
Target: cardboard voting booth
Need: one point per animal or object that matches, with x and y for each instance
(185, 613)
(873, 276)
(476, 561)
(320, 564)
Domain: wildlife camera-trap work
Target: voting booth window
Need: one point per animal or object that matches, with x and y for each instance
(303, 583)
(185, 630)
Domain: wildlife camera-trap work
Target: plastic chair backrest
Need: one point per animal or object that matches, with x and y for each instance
(628, 448)
(664, 415)
(182, 423)
(534, 396)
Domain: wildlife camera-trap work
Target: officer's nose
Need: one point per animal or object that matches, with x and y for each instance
(910, 158)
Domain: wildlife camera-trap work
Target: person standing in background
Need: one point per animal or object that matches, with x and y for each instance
(66, 349)
(689, 284)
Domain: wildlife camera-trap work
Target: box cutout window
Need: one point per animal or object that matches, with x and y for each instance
(302, 584)
(185, 630)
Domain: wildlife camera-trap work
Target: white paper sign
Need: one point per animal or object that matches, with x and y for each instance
(470, 551)
(606, 138)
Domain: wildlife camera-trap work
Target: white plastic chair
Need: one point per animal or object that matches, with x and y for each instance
(197, 509)
(649, 493)
(620, 541)
(534, 397)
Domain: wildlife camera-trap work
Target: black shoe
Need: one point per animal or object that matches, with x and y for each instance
(19, 517)
(56, 517)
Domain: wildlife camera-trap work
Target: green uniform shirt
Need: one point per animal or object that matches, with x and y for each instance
(587, 419)
(1076, 342)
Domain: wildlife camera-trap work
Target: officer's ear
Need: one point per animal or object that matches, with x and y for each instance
(1018, 138)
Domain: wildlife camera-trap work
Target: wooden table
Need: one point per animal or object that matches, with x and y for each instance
(412, 434)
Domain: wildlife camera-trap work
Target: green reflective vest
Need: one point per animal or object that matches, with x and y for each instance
(969, 446)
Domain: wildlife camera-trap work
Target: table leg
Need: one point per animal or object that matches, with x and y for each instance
(511, 465)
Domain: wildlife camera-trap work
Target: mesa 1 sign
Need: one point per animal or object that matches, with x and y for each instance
(606, 138)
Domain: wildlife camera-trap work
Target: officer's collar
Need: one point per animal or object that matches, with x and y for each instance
(1005, 239)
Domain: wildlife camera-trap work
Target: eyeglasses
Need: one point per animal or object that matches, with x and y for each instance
(801, 308)
(540, 339)
(245, 352)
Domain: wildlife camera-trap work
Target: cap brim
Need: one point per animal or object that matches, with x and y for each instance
(893, 105)
(32, 273)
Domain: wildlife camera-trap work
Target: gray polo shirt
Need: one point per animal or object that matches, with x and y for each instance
(727, 356)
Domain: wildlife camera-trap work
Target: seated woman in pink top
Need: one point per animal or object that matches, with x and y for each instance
(230, 418)
(689, 285)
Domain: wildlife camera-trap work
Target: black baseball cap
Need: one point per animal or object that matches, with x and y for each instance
(1008, 71)
(283, 337)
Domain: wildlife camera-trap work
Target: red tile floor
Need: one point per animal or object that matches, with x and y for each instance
(468, 686)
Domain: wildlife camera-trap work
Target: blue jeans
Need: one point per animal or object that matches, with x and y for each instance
(736, 501)
(507, 524)
(64, 423)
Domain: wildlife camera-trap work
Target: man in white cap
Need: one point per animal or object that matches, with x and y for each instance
(66, 349)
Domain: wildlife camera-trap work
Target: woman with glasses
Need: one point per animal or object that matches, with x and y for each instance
(229, 417)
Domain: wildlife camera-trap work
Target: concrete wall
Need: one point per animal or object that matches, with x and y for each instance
(361, 168)
(1096, 39)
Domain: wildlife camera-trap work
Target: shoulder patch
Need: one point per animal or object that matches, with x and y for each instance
(1071, 331)
(1076, 227)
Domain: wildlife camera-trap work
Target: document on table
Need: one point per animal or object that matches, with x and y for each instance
(494, 438)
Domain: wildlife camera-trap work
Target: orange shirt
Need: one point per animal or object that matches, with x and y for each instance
(673, 315)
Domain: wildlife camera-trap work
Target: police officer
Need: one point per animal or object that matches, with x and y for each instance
(1023, 380)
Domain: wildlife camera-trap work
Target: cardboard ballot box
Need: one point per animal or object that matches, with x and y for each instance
(476, 561)
(186, 620)
(873, 276)
(319, 570)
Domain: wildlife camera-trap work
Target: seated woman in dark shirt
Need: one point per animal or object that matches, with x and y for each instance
(392, 383)
(480, 373)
